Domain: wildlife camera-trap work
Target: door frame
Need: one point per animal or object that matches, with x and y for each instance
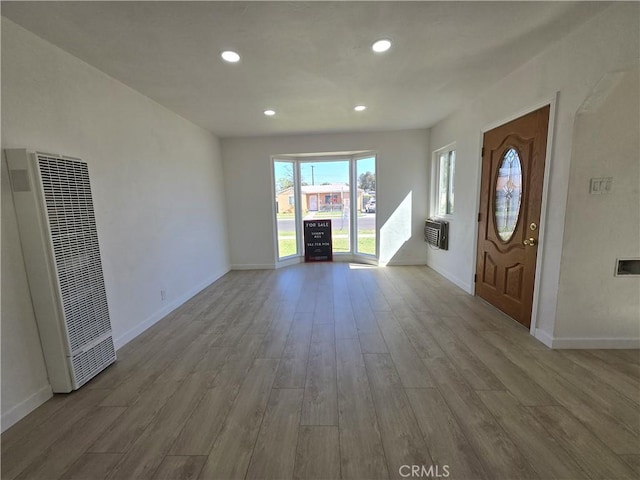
(551, 102)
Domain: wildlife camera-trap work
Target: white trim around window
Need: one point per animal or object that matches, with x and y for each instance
(442, 183)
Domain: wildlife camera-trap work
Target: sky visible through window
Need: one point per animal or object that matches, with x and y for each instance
(324, 171)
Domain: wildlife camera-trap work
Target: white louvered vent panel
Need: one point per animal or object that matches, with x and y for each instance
(74, 236)
(87, 364)
(59, 238)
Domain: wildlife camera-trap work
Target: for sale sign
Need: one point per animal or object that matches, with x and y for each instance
(317, 241)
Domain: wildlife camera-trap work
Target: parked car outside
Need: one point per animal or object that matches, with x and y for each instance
(370, 207)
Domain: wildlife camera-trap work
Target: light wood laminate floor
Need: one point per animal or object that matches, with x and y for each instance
(331, 371)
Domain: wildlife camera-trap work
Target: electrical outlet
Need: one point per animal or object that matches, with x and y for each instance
(163, 294)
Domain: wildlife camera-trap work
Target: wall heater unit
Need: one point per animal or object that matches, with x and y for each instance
(56, 220)
(436, 233)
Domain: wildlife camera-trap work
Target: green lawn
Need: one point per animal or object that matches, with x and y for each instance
(367, 245)
(287, 245)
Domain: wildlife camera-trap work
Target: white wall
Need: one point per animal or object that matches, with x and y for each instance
(572, 67)
(592, 302)
(24, 376)
(401, 196)
(158, 191)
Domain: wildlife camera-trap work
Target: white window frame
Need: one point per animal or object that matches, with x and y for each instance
(449, 150)
(354, 201)
(296, 207)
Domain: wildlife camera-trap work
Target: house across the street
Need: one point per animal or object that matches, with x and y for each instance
(319, 198)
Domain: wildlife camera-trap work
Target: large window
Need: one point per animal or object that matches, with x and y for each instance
(340, 189)
(366, 220)
(286, 212)
(325, 193)
(444, 169)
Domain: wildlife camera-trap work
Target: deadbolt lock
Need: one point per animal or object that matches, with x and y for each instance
(530, 242)
(533, 227)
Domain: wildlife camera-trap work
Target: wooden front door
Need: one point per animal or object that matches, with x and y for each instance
(513, 157)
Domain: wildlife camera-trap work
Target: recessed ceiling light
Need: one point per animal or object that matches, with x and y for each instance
(269, 113)
(360, 108)
(230, 56)
(381, 46)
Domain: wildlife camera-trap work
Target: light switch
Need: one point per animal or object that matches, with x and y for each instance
(599, 186)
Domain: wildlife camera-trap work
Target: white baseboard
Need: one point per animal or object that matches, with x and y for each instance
(544, 337)
(341, 258)
(29, 404)
(603, 343)
(253, 266)
(288, 262)
(596, 343)
(467, 287)
(160, 314)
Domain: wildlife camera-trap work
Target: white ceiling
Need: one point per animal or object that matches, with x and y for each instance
(309, 61)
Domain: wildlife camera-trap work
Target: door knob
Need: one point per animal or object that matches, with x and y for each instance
(530, 242)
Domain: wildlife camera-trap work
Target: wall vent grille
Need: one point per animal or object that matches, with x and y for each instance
(71, 219)
(92, 361)
(59, 239)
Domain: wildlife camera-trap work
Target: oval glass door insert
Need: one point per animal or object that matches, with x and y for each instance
(506, 208)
